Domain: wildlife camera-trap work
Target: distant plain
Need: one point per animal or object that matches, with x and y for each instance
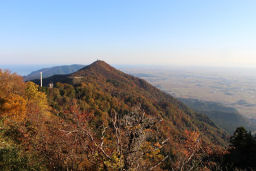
(233, 87)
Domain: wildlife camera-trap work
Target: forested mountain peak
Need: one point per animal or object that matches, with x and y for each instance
(132, 91)
(120, 109)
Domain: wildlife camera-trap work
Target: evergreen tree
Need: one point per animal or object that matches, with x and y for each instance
(242, 149)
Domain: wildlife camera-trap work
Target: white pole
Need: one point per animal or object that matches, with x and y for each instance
(41, 78)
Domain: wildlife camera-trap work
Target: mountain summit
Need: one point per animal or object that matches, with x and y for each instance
(99, 64)
(99, 68)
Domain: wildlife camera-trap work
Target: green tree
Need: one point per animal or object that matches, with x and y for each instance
(242, 149)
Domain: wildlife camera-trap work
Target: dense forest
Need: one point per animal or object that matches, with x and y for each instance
(99, 118)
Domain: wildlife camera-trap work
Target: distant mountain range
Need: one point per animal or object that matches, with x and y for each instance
(57, 70)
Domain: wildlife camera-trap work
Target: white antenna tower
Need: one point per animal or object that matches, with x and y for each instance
(41, 78)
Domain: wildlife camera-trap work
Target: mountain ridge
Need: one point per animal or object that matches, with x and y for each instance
(123, 86)
(55, 70)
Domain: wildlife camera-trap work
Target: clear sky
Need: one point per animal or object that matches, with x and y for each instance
(153, 32)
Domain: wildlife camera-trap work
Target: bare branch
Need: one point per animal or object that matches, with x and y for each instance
(103, 136)
(68, 132)
(117, 133)
(165, 141)
(158, 164)
(98, 146)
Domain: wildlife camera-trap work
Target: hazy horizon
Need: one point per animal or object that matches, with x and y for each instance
(181, 33)
(25, 69)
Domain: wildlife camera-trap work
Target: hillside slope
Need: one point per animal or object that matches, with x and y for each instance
(129, 88)
(131, 107)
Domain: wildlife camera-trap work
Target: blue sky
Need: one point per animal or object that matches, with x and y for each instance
(162, 32)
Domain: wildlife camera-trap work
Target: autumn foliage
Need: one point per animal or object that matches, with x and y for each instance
(101, 119)
(12, 97)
